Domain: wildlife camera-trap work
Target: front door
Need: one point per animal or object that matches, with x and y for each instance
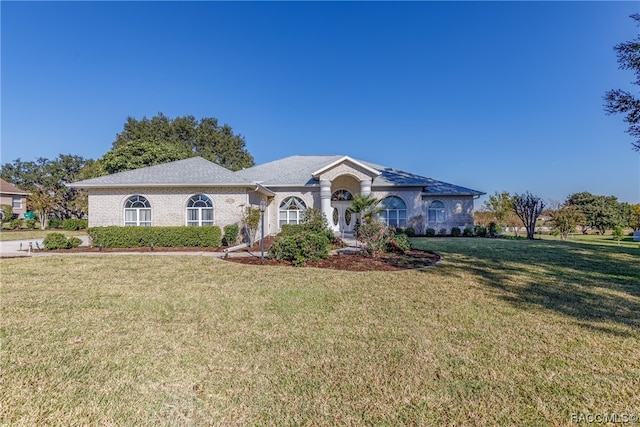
(343, 220)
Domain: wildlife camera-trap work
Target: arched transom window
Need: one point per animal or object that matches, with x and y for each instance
(393, 212)
(199, 211)
(137, 211)
(435, 212)
(291, 210)
(341, 195)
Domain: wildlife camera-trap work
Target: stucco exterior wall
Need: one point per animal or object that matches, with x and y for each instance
(7, 199)
(168, 205)
(458, 212)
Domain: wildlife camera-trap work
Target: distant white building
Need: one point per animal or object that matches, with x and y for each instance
(197, 192)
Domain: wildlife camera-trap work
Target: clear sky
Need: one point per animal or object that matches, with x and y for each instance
(488, 95)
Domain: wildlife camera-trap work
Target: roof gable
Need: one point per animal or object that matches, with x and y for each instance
(346, 160)
(8, 188)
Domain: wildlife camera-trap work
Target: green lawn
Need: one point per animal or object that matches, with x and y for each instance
(7, 235)
(502, 332)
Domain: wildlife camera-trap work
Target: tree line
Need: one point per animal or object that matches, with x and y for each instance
(580, 211)
(141, 143)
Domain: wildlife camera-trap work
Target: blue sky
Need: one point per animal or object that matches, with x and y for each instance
(489, 95)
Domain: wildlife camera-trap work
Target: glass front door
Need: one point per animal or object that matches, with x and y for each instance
(342, 220)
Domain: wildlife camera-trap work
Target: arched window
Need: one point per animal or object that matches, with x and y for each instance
(291, 210)
(435, 212)
(393, 212)
(199, 211)
(341, 195)
(137, 211)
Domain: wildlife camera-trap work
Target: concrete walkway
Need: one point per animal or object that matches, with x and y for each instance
(18, 248)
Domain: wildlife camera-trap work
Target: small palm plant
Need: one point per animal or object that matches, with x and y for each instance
(365, 207)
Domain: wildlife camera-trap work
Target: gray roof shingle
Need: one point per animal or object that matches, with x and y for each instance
(194, 171)
(298, 170)
(293, 171)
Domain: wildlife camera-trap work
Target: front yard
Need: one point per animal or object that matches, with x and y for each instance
(501, 332)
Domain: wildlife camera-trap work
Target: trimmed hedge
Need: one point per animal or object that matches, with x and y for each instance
(136, 237)
(74, 224)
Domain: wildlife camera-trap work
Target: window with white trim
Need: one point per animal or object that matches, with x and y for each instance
(199, 211)
(137, 211)
(393, 212)
(291, 210)
(16, 202)
(435, 212)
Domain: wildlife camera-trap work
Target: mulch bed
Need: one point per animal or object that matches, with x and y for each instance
(413, 259)
(357, 262)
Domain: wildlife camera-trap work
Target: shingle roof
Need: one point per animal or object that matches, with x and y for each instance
(298, 170)
(293, 171)
(194, 171)
(290, 171)
(8, 188)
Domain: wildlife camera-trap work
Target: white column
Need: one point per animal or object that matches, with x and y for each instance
(325, 199)
(365, 187)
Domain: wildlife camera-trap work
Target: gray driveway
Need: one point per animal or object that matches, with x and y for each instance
(15, 248)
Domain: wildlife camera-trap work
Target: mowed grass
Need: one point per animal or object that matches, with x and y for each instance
(8, 235)
(500, 333)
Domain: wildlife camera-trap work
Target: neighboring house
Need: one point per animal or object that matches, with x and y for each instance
(197, 192)
(14, 197)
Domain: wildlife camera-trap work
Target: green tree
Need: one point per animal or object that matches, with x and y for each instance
(600, 212)
(618, 233)
(528, 208)
(43, 202)
(565, 219)
(162, 139)
(500, 205)
(51, 177)
(620, 101)
(138, 154)
(634, 220)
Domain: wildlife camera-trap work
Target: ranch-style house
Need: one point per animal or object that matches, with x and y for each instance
(197, 192)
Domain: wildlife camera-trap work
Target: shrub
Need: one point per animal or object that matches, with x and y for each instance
(74, 242)
(481, 231)
(231, 232)
(376, 237)
(15, 224)
(399, 243)
(442, 232)
(74, 224)
(430, 232)
(31, 223)
(56, 241)
(493, 229)
(300, 247)
(410, 232)
(8, 213)
(455, 232)
(54, 222)
(467, 232)
(135, 237)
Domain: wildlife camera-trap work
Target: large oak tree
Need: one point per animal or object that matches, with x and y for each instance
(160, 139)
